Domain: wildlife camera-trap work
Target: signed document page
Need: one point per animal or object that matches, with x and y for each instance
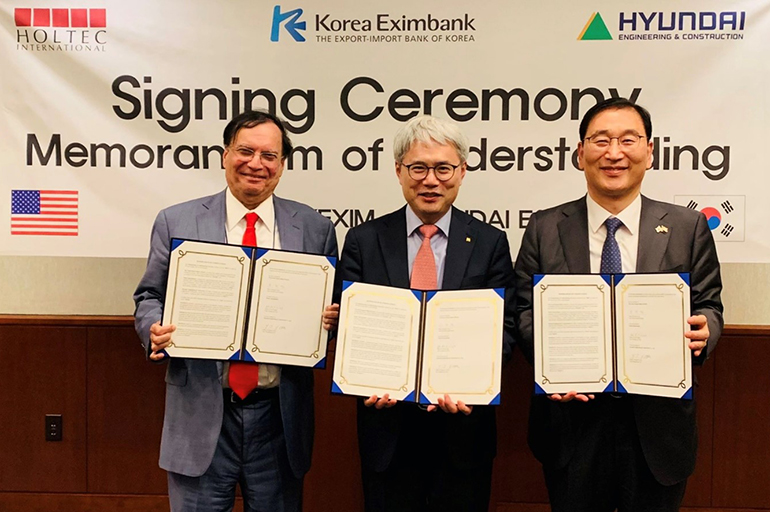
(377, 341)
(572, 324)
(463, 346)
(206, 296)
(289, 293)
(651, 318)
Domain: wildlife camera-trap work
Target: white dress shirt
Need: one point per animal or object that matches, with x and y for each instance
(627, 235)
(267, 238)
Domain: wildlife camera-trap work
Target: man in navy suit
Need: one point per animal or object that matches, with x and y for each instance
(629, 452)
(415, 459)
(213, 438)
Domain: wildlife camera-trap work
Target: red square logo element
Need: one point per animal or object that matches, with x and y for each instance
(42, 17)
(79, 18)
(61, 17)
(23, 17)
(98, 17)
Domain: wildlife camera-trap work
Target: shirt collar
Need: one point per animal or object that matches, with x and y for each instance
(413, 222)
(629, 216)
(236, 211)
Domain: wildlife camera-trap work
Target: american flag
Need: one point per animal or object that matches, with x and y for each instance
(44, 212)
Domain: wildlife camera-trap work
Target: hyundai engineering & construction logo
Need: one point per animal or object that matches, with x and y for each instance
(378, 28)
(668, 26)
(60, 30)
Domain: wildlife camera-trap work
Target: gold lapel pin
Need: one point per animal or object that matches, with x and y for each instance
(661, 229)
(467, 239)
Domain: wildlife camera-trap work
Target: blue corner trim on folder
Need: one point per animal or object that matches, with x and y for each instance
(688, 394)
(539, 390)
(248, 357)
(176, 242)
(409, 397)
(685, 277)
(607, 279)
(417, 293)
(621, 389)
(610, 388)
(500, 292)
(346, 285)
(424, 400)
(495, 400)
(261, 252)
(537, 278)
(165, 354)
(429, 296)
(619, 278)
(320, 365)
(332, 260)
(248, 251)
(336, 388)
(235, 357)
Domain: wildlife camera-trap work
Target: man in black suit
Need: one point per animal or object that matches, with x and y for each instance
(439, 458)
(629, 452)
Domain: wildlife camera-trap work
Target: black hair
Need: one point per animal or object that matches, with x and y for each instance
(616, 103)
(252, 118)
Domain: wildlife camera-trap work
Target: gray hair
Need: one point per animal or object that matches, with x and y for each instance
(426, 129)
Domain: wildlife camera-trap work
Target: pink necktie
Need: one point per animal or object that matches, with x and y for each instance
(424, 268)
(244, 377)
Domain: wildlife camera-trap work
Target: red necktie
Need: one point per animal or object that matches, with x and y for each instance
(244, 377)
(424, 267)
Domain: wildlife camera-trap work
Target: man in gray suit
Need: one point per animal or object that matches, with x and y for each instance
(629, 452)
(214, 437)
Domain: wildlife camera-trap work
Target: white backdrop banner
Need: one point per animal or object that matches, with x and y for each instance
(113, 110)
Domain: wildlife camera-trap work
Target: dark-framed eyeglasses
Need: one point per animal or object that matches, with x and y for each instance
(602, 141)
(443, 172)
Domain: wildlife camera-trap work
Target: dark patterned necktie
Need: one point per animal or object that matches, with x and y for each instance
(611, 263)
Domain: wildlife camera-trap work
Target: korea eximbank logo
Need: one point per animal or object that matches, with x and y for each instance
(42, 29)
(595, 29)
(291, 23)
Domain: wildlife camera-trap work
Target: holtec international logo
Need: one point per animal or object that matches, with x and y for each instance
(290, 21)
(595, 29)
(60, 30)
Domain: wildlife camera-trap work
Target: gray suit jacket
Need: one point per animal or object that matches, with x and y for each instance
(556, 241)
(194, 404)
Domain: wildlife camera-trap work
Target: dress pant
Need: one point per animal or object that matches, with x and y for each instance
(608, 471)
(250, 452)
(421, 476)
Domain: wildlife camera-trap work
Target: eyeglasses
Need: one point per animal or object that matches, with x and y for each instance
(419, 171)
(266, 157)
(602, 141)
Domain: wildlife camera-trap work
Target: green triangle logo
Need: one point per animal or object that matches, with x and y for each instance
(595, 29)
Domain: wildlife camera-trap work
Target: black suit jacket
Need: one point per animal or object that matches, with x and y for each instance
(556, 241)
(478, 256)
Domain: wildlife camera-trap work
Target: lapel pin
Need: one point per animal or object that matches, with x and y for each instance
(467, 239)
(661, 229)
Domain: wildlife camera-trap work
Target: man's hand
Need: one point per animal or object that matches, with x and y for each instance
(160, 338)
(698, 336)
(383, 402)
(571, 395)
(331, 315)
(447, 405)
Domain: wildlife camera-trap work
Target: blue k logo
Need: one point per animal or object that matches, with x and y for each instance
(290, 22)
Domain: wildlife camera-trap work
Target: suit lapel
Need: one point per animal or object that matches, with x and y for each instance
(212, 219)
(573, 233)
(289, 227)
(654, 235)
(462, 238)
(393, 244)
